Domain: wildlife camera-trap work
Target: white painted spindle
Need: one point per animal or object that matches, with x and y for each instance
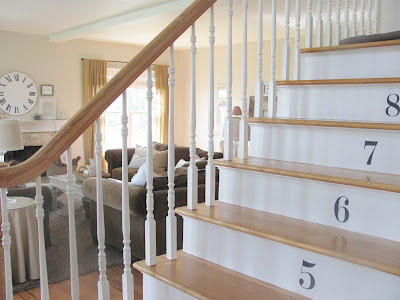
(354, 17)
(309, 25)
(338, 27)
(297, 51)
(192, 169)
(44, 284)
(243, 125)
(362, 18)
(369, 24)
(272, 82)
(346, 19)
(73, 255)
(127, 277)
(259, 86)
(286, 47)
(228, 126)
(171, 218)
(150, 224)
(328, 41)
(319, 26)
(376, 16)
(6, 241)
(210, 168)
(103, 286)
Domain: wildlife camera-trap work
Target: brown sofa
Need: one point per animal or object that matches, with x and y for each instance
(137, 201)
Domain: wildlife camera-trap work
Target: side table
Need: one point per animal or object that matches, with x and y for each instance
(24, 239)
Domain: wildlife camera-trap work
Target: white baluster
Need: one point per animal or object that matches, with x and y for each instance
(309, 25)
(346, 19)
(272, 82)
(259, 86)
(369, 26)
(297, 51)
(362, 19)
(354, 17)
(103, 284)
(228, 126)
(286, 47)
(320, 26)
(192, 169)
(329, 24)
(243, 125)
(171, 218)
(127, 277)
(150, 224)
(376, 16)
(338, 27)
(6, 241)
(73, 255)
(44, 284)
(210, 168)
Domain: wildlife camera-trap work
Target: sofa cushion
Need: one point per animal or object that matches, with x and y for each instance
(117, 173)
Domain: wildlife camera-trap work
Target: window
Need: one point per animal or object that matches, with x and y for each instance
(137, 113)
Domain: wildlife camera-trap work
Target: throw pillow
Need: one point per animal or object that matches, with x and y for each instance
(137, 161)
(160, 161)
(140, 177)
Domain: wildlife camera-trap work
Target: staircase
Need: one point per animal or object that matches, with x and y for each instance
(313, 212)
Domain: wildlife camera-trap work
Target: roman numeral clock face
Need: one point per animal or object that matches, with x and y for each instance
(18, 93)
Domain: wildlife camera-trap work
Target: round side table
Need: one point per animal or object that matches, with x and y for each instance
(24, 239)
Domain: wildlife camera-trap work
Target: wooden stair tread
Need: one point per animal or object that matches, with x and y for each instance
(365, 250)
(205, 280)
(325, 123)
(352, 46)
(364, 179)
(340, 81)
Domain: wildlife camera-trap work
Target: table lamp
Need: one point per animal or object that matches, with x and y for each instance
(10, 140)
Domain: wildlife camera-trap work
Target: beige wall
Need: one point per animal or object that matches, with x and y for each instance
(60, 64)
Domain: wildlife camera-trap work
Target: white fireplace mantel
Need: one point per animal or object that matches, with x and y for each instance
(42, 125)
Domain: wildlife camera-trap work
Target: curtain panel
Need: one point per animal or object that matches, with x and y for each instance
(95, 77)
(162, 94)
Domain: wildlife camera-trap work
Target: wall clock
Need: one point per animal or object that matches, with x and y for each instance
(18, 93)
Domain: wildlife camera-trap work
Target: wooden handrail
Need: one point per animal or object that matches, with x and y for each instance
(43, 158)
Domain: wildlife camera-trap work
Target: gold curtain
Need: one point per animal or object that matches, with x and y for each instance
(95, 77)
(163, 94)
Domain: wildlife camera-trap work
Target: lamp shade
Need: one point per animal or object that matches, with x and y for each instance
(236, 111)
(10, 135)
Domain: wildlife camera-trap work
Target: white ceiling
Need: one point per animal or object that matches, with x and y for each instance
(47, 17)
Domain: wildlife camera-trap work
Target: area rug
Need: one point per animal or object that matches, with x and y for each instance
(57, 255)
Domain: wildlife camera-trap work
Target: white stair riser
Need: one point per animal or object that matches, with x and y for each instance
(328, 146)
(314, 201)
(349, 102)
(281, 265)
(154, 289)
(377, 62)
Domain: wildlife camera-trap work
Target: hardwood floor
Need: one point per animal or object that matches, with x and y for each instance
(88, 287)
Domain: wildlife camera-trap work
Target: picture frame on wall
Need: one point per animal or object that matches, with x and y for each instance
(47, 90)
(47, 108)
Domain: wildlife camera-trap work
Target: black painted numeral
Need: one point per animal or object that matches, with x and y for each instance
(32, 93)
(25, 107)
(395, 111)
(373, 144)
(338, 208)
(24, 80)
(29, 85)
(8, 78)
(312, 279)
(30, 101)
(2, 84)
(2, 94)
(2, 101)
(16, 110)
(8, 108)
(16, 76)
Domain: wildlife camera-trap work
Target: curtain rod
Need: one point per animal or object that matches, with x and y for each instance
(114, 61)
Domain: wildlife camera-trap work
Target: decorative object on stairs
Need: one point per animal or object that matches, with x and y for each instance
(10, 140)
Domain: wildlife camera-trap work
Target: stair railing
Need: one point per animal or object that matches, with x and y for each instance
(41, 160)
